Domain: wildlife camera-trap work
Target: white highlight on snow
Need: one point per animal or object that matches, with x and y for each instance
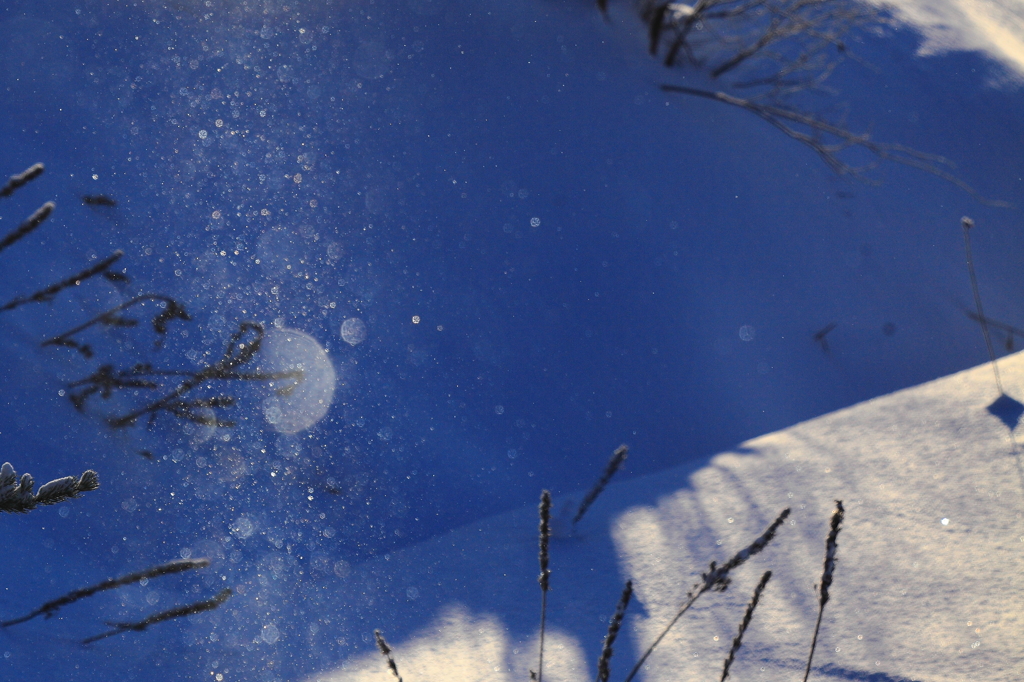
(994, 27)
(460, 647)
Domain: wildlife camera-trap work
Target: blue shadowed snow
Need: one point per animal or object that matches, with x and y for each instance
(547, 254)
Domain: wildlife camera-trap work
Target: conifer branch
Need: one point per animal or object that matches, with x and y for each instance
(16, 497)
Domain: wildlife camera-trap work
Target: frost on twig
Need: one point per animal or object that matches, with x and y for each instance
(16, 495)
(33, 221)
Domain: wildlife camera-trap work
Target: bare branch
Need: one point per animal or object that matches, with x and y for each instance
(784, 119)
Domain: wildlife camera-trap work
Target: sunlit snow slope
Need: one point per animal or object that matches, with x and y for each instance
(994, 27)
(928, 585)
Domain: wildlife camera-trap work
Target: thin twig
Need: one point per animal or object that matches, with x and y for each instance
(778, 115)
(51, 607)
(967, 224)
(235, 355)
(49, 292)
(30, 224)
(178, 612)
(172, 310)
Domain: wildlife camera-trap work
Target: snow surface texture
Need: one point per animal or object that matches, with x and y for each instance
(994, 27)
(927, 586)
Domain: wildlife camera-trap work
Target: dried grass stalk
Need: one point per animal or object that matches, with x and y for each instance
(717, 579)
(30, 224)
(831, 547)
(545, 574)
(51, 607)
(386, 651)
(613, 631)
(177, 612)
(738, 641)
(618, 457)
(21, 179)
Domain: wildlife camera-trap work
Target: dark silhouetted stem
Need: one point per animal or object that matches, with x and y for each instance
(545, 574)
(21, 179)
(34, 221)
(831, 547)
(717, 578)
(967, 224)
(51, 607)
(49, 292)
(614, 625)
(737, 642)
(618, 457)
(386, 651)
(179, 612)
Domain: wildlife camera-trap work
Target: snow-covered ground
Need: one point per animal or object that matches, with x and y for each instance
(550, 255)
(928, 585)
(994, 27)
